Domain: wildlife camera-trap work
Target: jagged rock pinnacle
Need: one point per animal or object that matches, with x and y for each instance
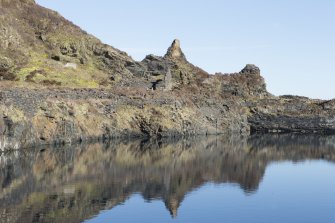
(174, 52)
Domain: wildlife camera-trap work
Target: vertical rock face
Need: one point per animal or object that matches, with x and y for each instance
(174, 52)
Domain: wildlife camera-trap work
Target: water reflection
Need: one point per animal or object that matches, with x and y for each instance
(72, 184)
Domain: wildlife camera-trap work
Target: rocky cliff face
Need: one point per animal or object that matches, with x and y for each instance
(62, 85)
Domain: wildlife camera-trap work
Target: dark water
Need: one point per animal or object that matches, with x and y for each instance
(285, 178)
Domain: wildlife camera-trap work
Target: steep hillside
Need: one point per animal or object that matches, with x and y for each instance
(38, 45)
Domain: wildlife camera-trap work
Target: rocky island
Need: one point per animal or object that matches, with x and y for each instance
(61, 85)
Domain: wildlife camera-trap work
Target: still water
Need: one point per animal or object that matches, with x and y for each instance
(271, 178)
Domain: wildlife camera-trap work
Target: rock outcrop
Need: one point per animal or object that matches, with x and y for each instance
(251, 69)
(174, 52)
(292, 114)
(61, 85)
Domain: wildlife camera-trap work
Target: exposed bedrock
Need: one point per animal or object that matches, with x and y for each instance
(293, 114)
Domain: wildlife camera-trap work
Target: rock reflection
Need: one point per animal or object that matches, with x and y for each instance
(73, 184)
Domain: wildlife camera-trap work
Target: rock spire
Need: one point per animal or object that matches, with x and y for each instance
(174, 52)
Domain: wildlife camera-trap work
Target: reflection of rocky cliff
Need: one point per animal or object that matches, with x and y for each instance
(72, 184)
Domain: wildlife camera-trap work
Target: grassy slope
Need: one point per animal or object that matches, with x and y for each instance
(36, 44)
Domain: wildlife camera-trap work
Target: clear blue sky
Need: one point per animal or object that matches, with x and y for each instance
(292, 41)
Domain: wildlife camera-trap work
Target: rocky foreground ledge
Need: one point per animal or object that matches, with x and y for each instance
(59, 85)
